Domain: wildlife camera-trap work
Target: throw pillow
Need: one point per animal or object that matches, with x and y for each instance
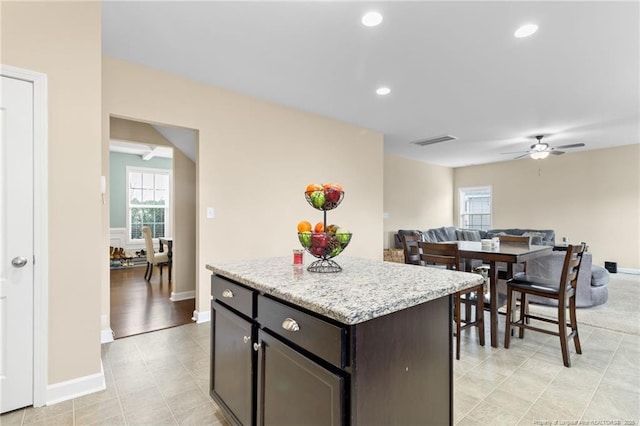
(536, 237)
(467, 235)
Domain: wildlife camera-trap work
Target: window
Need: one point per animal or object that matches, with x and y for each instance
(475, 208)
(148, 201)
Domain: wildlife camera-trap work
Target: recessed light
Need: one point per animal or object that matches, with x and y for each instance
(526, 30)
(383, 91)
(371, 19)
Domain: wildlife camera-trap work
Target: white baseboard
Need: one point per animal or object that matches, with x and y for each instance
(629, 271)
(202, 316)
(75, 388)
(185, 295)
(106, 334)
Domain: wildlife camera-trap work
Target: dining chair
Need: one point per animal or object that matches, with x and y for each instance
(564, 292)
(153, 258)
(446, 254)
(410, 249)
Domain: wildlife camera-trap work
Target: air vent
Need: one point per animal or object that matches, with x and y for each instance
(437, 139)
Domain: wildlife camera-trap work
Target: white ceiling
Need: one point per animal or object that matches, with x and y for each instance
(453, 67)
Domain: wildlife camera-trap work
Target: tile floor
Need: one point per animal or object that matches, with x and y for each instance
(161, 378)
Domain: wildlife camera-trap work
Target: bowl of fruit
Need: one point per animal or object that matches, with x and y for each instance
(324, 197)
(323, 244)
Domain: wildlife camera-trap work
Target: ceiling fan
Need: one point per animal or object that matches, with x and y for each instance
(540, 150)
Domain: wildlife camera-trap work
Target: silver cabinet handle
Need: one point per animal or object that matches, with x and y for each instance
(256, 346)
(19, 262)
(227, 293)
(246, 339)
(290, 324)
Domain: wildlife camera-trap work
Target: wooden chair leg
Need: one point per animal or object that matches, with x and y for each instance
(170, 265)
(458, 325)
(524, 310)
(509, 318)
(562, 329)
(574, 325)
(146, 272)
(150, 271)
(480, 315)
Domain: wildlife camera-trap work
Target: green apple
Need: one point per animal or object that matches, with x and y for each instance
(317, 199)
(305, 238)
(343, 235)
(336, 251)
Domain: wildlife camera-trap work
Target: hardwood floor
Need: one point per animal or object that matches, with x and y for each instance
(139, 306)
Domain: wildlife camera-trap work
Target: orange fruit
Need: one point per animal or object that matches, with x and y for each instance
(333, 185)
(304, 226)
(313, 187)
(319, 227)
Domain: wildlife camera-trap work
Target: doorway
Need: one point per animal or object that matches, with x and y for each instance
(141, 160)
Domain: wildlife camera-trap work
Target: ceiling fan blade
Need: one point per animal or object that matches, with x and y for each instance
(554, 152)
(514, 152)
(521, 156)
(573, 145)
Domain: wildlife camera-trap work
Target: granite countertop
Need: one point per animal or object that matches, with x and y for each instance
(365, 289)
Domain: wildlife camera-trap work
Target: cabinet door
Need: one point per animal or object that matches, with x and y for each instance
(232, 361)
(293, 390)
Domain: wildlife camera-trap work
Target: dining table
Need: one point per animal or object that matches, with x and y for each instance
(508, 253)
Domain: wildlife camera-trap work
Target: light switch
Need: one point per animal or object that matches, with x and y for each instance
(385, 215)
(210, 213)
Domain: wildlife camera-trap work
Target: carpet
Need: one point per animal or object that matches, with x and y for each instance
(620, 313)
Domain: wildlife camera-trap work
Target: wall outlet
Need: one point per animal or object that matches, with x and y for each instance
(210, 213)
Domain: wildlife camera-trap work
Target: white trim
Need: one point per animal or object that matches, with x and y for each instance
(631, 271)
(40, 227)
(201, 316)
(185, 295)
(106, 336)
(75, 388)
(106, 333)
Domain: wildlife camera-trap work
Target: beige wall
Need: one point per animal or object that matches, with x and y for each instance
(416, 196)
(184, 201)
(591, 196)
(62, 40)
(254, 162)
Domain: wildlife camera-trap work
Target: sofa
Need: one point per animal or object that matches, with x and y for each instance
(592, 279)
(545, 237)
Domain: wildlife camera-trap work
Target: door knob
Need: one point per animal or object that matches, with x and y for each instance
(227, 293)
(19, 262)
(256, 346)
(246, 339)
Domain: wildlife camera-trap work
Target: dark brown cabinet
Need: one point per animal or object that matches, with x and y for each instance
(233, 363)
(294, 390)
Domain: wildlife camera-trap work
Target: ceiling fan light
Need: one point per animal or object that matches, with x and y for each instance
(539, 155)
(371, 19)
(526, 30)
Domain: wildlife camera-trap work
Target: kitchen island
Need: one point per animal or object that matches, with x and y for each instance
(370, 345)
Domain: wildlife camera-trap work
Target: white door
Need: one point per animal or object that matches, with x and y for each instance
(16, 243)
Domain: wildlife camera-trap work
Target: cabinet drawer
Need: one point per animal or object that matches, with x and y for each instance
(231, 294)
(317, 336)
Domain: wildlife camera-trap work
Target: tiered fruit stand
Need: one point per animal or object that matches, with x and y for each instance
(329, 243)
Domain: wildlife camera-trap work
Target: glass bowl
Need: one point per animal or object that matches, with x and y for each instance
(325, 199)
